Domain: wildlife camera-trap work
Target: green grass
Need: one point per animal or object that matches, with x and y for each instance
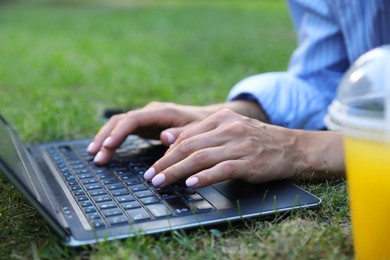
(62, 63)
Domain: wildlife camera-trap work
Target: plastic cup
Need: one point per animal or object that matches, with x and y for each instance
(361, 112)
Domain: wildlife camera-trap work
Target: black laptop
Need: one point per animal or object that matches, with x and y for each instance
(86, 204)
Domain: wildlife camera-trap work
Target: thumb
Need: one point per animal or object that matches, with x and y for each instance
(169, 136)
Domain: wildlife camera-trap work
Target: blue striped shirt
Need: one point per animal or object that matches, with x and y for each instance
(332, 34)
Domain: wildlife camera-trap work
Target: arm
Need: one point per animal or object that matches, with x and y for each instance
(230, 146)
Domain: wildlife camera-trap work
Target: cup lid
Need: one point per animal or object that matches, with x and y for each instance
(362, 104)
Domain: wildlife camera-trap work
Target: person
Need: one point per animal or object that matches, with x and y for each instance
(270, 126)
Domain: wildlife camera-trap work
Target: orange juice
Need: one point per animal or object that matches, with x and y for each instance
(368, 178)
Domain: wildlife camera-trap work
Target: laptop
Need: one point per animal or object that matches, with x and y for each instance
(86, 204)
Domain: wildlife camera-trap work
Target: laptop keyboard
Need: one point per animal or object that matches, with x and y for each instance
(118, 194)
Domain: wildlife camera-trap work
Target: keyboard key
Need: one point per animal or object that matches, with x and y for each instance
(116, 186)
(125, 198)
(124, 173)
(109, 181)
(117, 220)
(138, 214)
(132, 182)
(138, 187)
(89, 209)
(79, 192)
(131, 205)
(159, 210)
(202, 206)
(89, 181)
(100, 170)
(81, 171)
(178, 186)
(102, 198)
(167, 194)
(72, 182)
(104, 176)
(77, 166)
(120, 192)
(93, 215)
(75, 187)
(112, 212)
(97, 223)
(85, 203)
(178, 206)
(98, 192)
(143, 194)
(193, 197)
(85, 176)
(150, 200)
(93, 187)
(107, 205)
(82, 198)
(69, 177)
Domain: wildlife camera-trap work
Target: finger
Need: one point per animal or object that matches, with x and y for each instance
(184, 149)
(194, 163)
(115, 132)
(198, 134)
(169, 136)
(95, 146)
(103, 156)
(226, 170)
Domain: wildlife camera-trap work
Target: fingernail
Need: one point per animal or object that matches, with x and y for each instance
(159, 179)
(171, 137)
(91, 147)
(98, 157)
(192, 181)
(149, 174)
(107, 142)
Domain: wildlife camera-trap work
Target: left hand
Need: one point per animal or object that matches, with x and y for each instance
(227, 145)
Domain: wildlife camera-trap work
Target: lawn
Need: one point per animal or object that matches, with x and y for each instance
(63, 62)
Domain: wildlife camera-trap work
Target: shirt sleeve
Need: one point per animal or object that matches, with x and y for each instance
(287, 100)
(299, 97)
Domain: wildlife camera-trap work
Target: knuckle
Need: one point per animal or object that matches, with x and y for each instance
(229, 169)
(201, 157)
(158, 104)
(234, 128)
(154, 104)
(223, 113)
(186, 146)
(116, 118)
(251, 143)
(185, 136)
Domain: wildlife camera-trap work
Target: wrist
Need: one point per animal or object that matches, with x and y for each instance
(322, 155)
(247, 108)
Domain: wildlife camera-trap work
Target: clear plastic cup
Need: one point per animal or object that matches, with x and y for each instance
(361, 112)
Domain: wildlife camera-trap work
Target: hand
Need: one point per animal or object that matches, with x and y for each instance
(166, 120)
(225, 146)
(147, 122)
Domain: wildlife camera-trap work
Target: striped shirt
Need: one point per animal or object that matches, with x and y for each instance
(332, 34)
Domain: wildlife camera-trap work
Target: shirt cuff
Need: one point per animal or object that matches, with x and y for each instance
(287, 100)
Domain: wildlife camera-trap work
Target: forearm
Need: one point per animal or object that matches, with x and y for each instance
(322, 155)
